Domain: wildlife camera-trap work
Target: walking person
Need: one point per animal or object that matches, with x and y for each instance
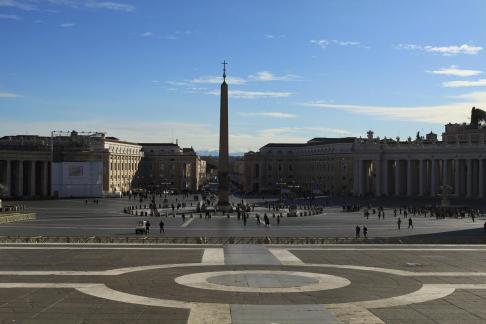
(358, 229)
(365, 231)
(161, 225)
(267, 221)
(410, 223)
(399, 222)
(147, 227)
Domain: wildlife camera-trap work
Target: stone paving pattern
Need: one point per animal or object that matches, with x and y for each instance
(66, 305)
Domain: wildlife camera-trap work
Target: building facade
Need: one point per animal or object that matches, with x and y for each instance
(25, 166)
(420, 167)
(167, 166)
(322, 165)
(423, 167)
(70, 165)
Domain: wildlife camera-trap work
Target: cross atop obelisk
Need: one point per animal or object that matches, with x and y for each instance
(223, 160)
(224, 70)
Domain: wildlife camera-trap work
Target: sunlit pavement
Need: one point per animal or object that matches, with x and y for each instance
(75, 218)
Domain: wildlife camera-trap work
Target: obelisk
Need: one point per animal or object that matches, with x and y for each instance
(223, 161)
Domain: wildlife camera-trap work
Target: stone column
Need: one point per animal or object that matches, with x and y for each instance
(397, 178)
(356, 177)
(457, 177)
(409, 178)
(361, 177)
(444, 172)
(481, 178)
(421, 178)
(469, 179)
(433, 179)
(378, 177)
(32, 179)
(384, 178)
(45, 179)
(20, 179)
(8, 178)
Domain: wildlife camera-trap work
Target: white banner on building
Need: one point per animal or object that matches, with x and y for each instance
(77, 179)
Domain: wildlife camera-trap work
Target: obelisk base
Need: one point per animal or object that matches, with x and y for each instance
(224, 206)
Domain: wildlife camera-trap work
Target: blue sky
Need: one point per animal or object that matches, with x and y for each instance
(150, 70)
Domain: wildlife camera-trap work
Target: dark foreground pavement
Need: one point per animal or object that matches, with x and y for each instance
(242, 284)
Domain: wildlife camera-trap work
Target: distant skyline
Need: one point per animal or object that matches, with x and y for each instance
(150, 71)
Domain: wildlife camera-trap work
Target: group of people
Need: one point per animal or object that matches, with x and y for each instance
(358, 231)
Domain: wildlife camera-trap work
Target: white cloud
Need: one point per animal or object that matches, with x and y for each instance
(464, 83)
(12, 17)
(176, 83)
(322, 43)
(9, 95)
(273, 36)
(28, 5)
(272, 114)
(67, 25)
(241, 94)
(218, 79)
(110, 6)
(147, 34)
(269, 76)
(199, 136)
(443, 50)
(18, 5)
(455, 112)
(454, 70)
(345, 43)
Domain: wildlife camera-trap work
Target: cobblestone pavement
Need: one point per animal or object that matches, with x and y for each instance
(75, 218)
(242, 284)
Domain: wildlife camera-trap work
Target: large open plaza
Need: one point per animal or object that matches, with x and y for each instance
(75, 217)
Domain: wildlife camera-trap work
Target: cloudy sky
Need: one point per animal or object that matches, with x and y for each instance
(150, 70)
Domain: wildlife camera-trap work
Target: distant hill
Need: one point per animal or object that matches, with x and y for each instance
(216, 153)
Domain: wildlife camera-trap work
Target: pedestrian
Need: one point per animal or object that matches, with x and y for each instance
(147, 227)
(484, 228)
(267, 220)
(365, 231)
(399, 222)
(410, 222)
(358, 229)
(278, 219)
(161, 225)
(86, 202)
(258, 219)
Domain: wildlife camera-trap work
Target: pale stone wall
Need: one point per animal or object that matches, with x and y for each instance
(123, 163)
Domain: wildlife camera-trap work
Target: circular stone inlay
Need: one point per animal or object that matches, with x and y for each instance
(262, 281)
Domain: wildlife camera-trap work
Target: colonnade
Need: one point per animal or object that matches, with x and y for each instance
(25, 178)
(420, 177)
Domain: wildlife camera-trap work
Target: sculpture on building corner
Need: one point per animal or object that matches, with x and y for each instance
(477, 116)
